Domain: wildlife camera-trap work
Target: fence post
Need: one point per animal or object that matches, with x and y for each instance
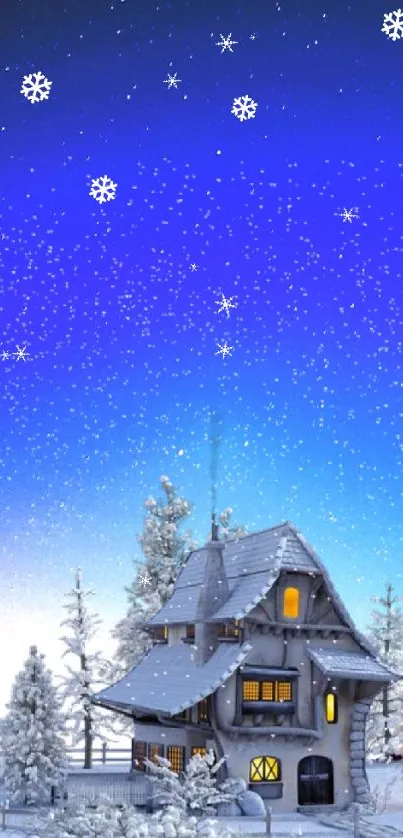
(104, 747)
(269, 811)
(356, 820)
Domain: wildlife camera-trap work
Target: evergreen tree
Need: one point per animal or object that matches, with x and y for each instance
(85, 678)
(385, 723)
(196, 792)
(228, 530)
(32, 739)
(165, 552)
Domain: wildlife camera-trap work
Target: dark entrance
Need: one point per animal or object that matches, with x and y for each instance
(315, 781)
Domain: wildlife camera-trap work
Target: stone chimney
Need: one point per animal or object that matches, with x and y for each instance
(214, 592)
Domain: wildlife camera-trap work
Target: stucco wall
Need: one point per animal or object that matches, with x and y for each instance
(268, 650)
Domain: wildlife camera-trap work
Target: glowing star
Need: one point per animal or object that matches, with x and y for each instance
(243, 107)
(348, 215)
(224, 349)
(226, 43)
(36, 87)
(103, 189)
(393, 25)
(21, 353)
(172, 81)
(144, 579)
(225, 304)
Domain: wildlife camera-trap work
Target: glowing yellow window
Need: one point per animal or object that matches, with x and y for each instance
(264, 770)
(331, 708)
(291, 602)
(201, 751)
(250, 690)
(267, 691)
(154, 751)
(176, 756)
(284, 691)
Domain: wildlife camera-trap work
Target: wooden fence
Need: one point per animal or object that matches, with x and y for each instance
(104, 755)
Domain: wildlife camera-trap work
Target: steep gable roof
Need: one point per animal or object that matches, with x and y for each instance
(252, 564)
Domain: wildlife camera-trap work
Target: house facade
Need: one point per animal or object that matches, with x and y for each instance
(256, 657)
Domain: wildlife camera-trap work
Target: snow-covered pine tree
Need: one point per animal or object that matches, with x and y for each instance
(33, 746)
(165, 551)
(384, 735)
(89, 722)
(226, 528)
(196, 791)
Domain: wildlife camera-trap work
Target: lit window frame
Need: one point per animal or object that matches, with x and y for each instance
(176, 756)
(268, 767)
(331, 715)
(195, 749)
(276, 687)
(291, 605)
(154, 749)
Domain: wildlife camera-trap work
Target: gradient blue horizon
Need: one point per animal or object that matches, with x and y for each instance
(123, 335)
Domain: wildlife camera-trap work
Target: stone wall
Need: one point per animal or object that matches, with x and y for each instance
(357, 772)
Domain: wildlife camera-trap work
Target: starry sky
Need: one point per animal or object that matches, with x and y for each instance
(110, 320)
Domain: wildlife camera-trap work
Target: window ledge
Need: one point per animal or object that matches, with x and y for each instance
(267, 789)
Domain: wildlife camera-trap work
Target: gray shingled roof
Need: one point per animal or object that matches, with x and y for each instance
(336, 662)
(280, 548)
(167, 680)
(245, 595)
(243, 558)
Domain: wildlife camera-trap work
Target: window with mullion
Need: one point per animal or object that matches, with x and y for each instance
(176, 756)
(277, 691)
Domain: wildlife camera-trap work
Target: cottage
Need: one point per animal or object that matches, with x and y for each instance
(256, 657)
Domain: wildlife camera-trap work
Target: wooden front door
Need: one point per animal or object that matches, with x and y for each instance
(315, 781)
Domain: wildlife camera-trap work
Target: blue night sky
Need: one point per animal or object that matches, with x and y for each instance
(121, 335)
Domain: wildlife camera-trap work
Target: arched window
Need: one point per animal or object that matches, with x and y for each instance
(291, 602)
(331, 708)
(264, 770)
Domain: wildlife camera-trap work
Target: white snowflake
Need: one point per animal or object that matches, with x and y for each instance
(226, 43)
(36, 87)
(244, 108)
(103, 189)
(172, 81)
(224, 349)
(225, 304)
(144, 579)
(393, 25)
(21, 353)
(348, 215)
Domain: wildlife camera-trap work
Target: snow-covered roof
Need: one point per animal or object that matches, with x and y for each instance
(357, 665)
(252, 564)
(168, 680)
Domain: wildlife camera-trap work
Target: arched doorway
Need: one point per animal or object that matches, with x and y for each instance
(315, 781)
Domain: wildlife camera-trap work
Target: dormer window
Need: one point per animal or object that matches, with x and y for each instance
(159, 634)
(291, 603)
(331, 708)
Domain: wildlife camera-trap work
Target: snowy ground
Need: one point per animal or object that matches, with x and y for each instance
(386, 782)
